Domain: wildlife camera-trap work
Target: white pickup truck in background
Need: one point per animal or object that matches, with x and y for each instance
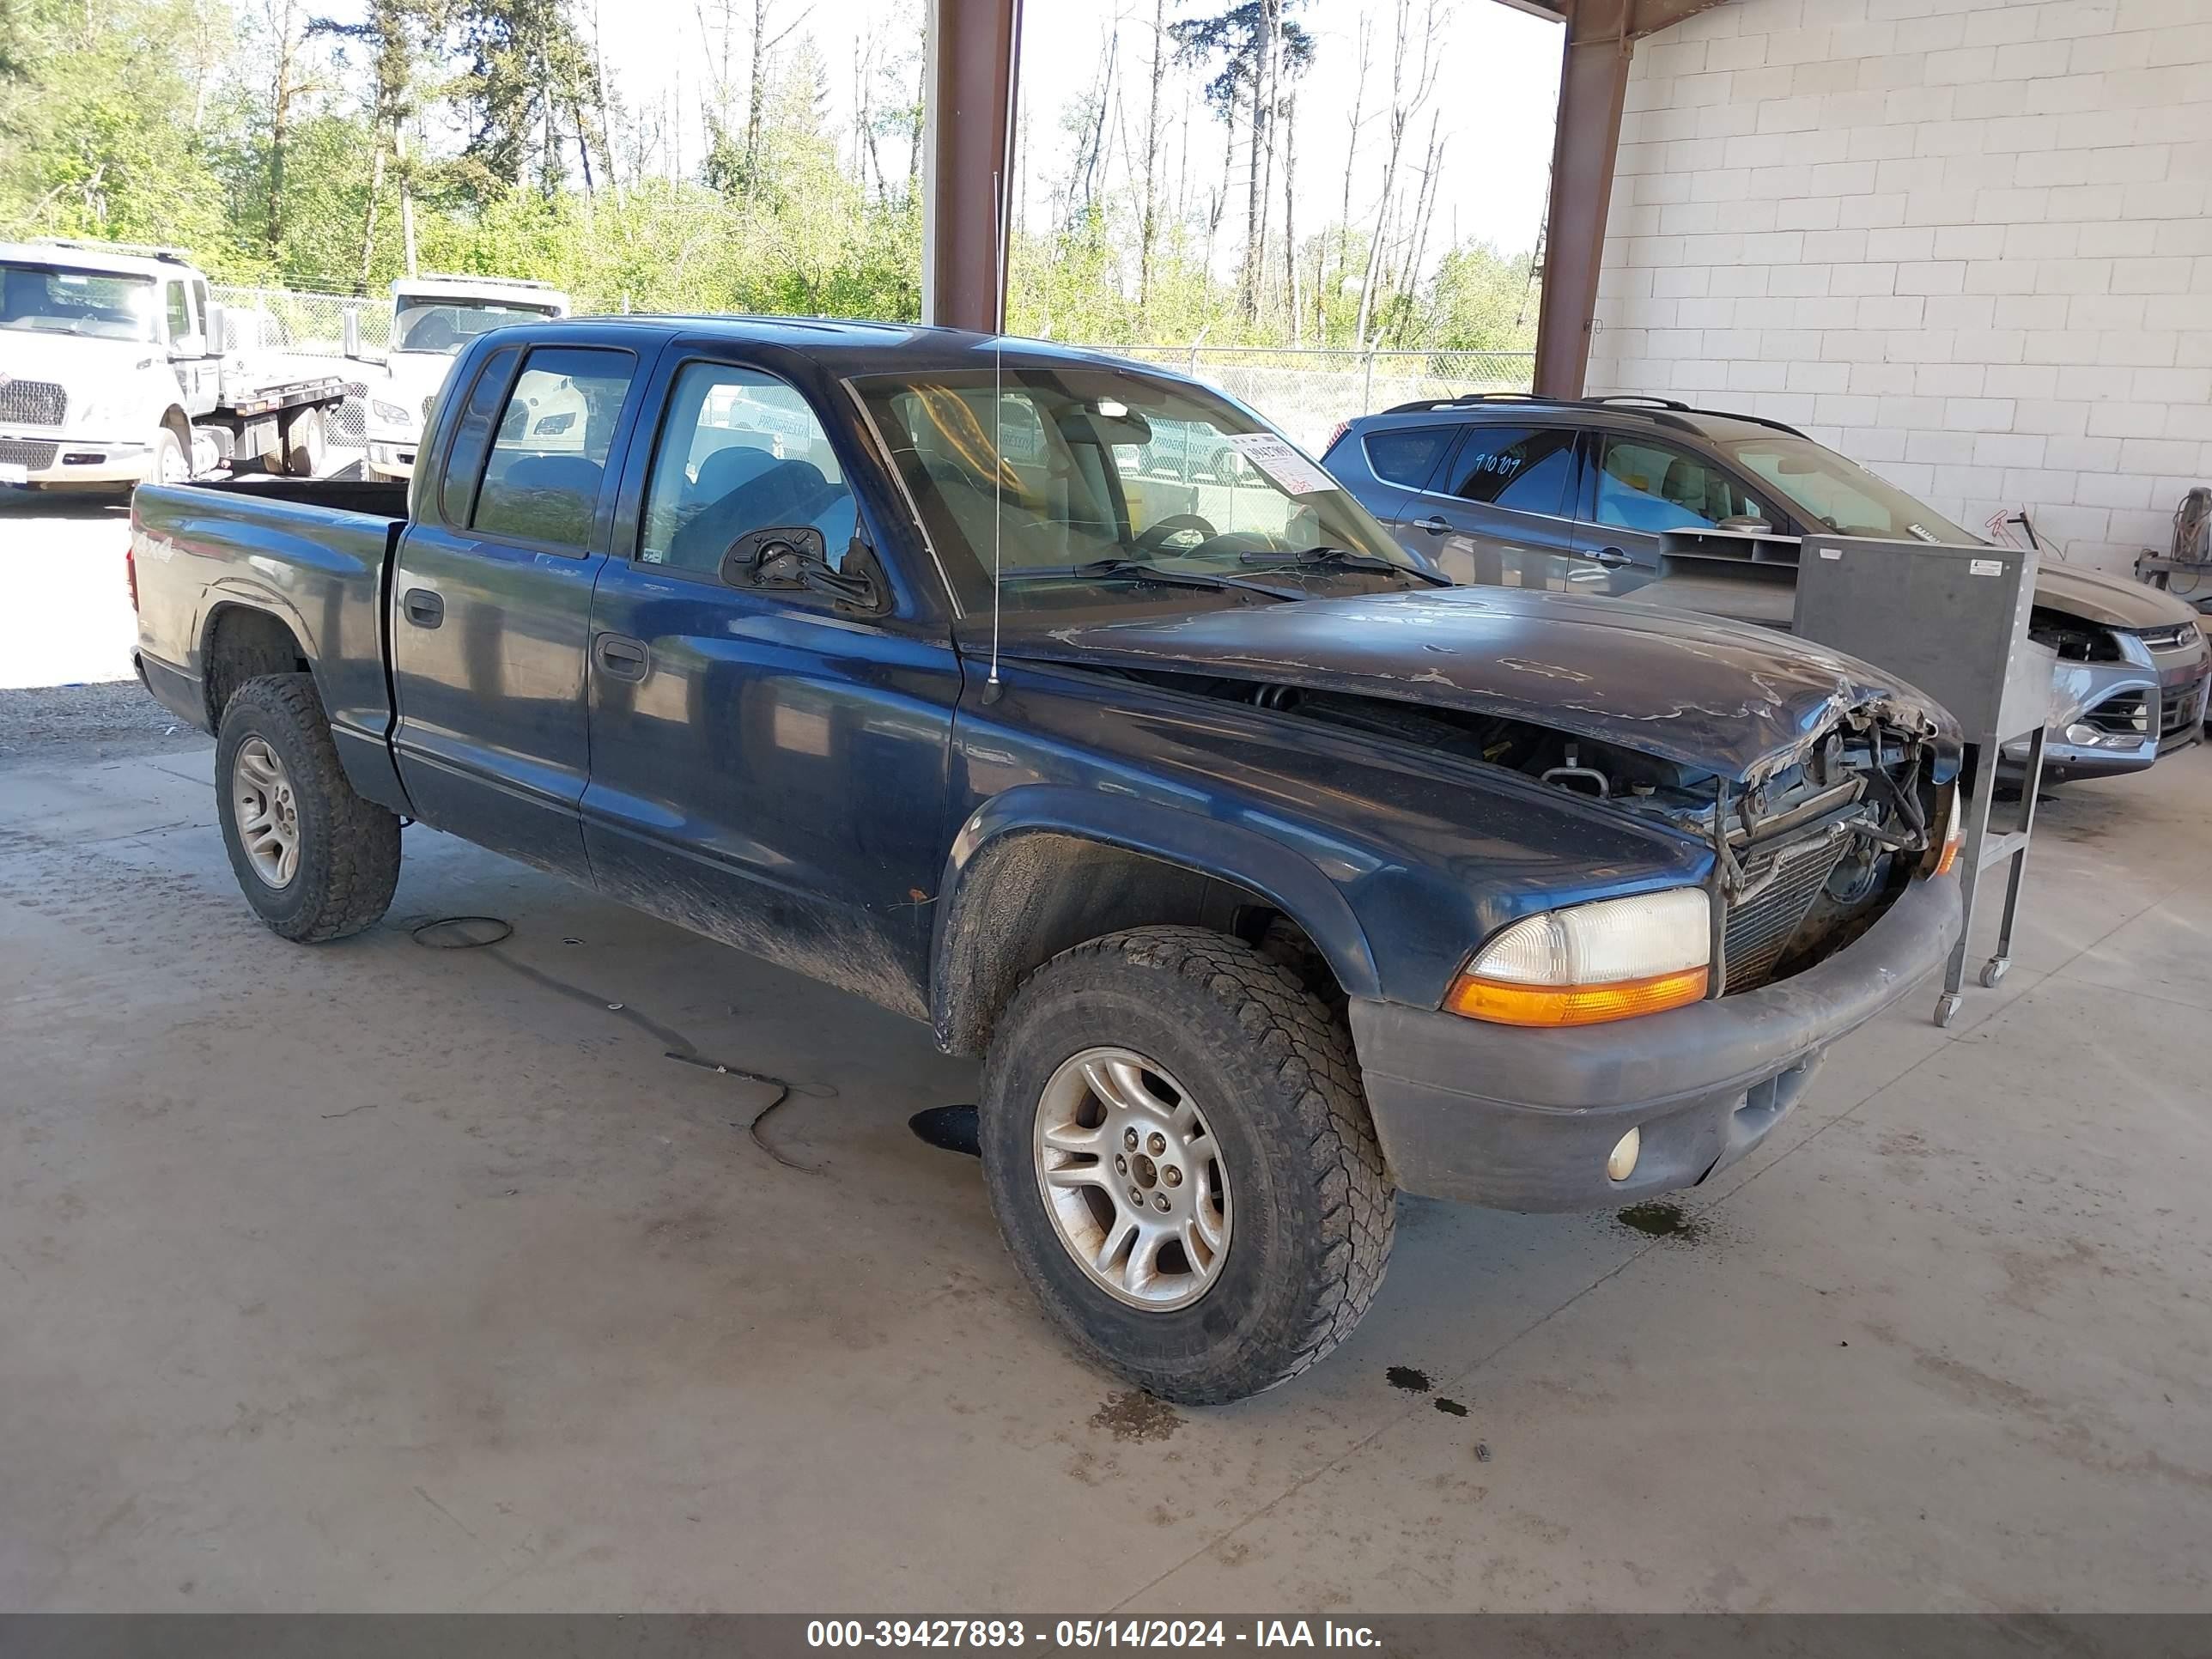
(433, 317)
(115, 369)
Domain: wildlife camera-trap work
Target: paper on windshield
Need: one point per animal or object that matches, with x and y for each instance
(1290, 471)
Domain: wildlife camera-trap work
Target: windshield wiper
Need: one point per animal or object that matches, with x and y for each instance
(1345, 558)
(1123, 570)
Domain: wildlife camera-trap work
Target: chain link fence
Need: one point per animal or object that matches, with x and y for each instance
(1305, 392)
(290, 323)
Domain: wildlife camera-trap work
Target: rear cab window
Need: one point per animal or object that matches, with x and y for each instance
(547, 469)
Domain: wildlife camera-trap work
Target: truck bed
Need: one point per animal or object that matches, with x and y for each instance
(313, 552)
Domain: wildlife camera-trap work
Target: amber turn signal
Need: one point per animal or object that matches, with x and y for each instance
(1955, 832)
(1506, 1003)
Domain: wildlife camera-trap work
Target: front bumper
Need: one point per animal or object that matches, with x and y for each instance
(2139, 713)
(45, 457)
(391, 457)
(1516, 1119)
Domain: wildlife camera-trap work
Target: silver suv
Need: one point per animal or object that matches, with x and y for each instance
(1704, 510)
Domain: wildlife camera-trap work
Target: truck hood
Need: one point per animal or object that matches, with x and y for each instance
(2108, 601)
(1714, 695)
(79, 362)
(411, 376)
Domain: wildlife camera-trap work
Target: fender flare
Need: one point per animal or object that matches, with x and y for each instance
(1205, 846)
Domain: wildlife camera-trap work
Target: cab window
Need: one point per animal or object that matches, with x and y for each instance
(1657, 488)
(1526, 469)
(549, 456)
(739, 450)
(180, 313)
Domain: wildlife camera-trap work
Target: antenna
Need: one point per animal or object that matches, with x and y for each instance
(998, 413)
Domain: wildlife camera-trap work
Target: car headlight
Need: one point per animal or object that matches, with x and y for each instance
(1590, 963)
(390, 414)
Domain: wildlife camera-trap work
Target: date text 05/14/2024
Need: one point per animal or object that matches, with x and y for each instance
(1077, 1634)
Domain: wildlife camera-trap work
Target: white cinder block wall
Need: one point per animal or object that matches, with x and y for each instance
(1965, 241)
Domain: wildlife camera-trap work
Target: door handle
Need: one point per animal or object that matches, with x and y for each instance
(423, 608)
(1433, 524)
(622, 657)
(1611, 558)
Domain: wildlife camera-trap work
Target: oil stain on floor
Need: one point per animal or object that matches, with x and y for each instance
(1135, 1415)
(1405, 1378)
(1661, 1219)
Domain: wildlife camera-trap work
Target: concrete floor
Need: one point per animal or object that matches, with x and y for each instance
(374, 1276)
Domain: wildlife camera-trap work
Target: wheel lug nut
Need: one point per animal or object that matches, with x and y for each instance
(1172, 1175)
(1136, 1197)
(1129, 1139)
(1120, 1164)
(1157, 1144)
(1160, 1202)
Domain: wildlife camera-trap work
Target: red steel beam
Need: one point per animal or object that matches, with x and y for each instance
(968, 129)
(1601, 36)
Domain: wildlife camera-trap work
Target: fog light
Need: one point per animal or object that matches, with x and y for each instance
(1622, 1163)
(2083, 735)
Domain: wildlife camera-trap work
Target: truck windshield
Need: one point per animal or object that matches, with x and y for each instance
(444, 327)
(1087, 479)
(58, 299)
(1841, 495)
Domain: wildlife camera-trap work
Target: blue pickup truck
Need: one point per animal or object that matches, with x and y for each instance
(1271, 876)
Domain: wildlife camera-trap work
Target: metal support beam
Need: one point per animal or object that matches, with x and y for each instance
(967, 169)
(1601, 36)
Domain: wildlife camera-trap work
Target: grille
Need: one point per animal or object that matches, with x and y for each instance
(2179, 711)
(33, 402)
(2182, 636)
(1761, 927)
(427, 403)
(37, 457)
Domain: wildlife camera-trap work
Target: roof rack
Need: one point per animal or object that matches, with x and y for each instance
(1663, 407)
(1641, 399)
(175, 256)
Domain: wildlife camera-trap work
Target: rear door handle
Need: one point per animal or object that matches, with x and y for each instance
(423, 608)
(1433, 524)
(622, 657)
(1611, 557)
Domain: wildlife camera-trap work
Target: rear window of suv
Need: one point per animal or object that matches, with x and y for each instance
(1408, 454)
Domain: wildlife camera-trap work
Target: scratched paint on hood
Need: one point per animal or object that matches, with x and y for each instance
(1719, 695)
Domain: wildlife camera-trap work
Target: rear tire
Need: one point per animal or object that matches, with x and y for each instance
(1307, 1210)
(303, 443)
(314, 860)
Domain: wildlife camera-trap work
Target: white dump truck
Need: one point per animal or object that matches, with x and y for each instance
(115, 369)
(433, 317)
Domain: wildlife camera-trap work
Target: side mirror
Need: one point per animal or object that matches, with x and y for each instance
(1746, 525)
(795, 556)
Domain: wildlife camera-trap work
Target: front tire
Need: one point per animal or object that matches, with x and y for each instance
(1180, 1160)
(315, 860)
(170, 463)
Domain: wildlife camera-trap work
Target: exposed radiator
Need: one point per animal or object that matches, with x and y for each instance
(1761, 927)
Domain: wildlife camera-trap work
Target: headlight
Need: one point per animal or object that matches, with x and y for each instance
(1590, 963)
(390, 414)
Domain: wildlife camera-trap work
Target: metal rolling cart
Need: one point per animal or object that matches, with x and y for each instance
(1953, 621)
